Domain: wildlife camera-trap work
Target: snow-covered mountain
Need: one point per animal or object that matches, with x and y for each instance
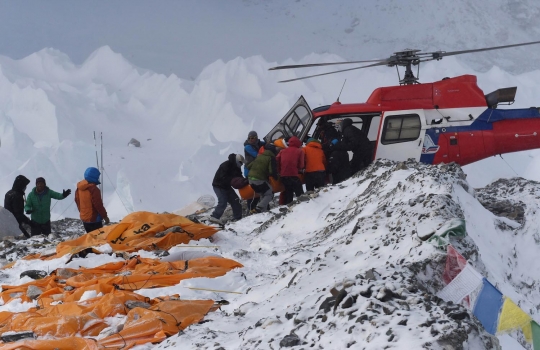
(49, 108)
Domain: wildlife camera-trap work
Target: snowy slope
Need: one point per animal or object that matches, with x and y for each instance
(350, 267)
(49, 108)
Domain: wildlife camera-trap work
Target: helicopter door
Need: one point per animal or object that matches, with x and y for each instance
(296, 122)
(401, 135)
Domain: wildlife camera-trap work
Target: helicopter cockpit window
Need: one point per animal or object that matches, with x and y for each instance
(401, 128)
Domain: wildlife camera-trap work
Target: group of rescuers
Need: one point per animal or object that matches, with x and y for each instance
(38, 203)
(320, 161)
(283, 160)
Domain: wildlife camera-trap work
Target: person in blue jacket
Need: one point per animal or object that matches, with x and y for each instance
(251, 150)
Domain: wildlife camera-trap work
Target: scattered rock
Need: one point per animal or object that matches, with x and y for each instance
(131, 304)
(34, 274)
(289, 341)
(33, 292)
(134, 142)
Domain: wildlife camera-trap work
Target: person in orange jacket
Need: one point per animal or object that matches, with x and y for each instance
(89, 203)
(315, 161)
(290, 163)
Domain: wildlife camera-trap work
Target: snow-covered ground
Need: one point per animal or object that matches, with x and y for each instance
(362, 243)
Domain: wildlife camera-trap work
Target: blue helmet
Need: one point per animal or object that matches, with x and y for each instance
(92, 175)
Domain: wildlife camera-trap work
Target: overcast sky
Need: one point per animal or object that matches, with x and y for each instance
(181, 36)
(184, 36)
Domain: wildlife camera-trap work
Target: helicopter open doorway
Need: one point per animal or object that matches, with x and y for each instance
(299, 121)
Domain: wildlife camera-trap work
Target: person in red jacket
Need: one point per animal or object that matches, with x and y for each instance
(315, 165)
(88, 200)
(290, 163)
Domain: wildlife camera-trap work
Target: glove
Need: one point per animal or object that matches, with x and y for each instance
(66, 193)
(106, 220)
(28, 212)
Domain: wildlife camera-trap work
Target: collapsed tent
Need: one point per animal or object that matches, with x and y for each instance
(137, 231)
(73, 304)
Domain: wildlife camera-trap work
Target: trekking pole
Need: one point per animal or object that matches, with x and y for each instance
(101, 145)
(95, 147)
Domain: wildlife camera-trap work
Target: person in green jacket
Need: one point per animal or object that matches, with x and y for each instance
(260, 170)
(38, 204)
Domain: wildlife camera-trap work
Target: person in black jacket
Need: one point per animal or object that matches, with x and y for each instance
(14, 202)
(353, 139)
(222, 187)
(338, 163)
(335, 152)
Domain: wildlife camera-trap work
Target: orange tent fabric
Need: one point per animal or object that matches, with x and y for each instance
(133, 274)
(63, 318)
(135, 232)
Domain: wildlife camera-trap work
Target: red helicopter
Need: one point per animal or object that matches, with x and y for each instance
(451, 120)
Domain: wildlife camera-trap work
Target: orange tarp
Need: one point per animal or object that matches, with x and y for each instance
(135, 232)
(152, 325)
(60, 313)
(57, 344)
(133, 274)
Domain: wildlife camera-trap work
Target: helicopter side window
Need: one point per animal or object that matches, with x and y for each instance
(401, 128)
(277, 135)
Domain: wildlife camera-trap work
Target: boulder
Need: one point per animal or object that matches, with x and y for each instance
(8, 224)
(134, 142)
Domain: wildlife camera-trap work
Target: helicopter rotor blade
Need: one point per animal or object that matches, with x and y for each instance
(337, 71)
(441, 54)
(321, 64)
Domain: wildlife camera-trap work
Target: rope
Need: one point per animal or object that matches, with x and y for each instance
(500, 155)
(62, 213)
(214, 290)
(115, 191)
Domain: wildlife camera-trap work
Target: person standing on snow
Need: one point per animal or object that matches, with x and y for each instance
(38, 204)
(89, 202)
(315, 161)
(14, 202)
(251, 150)
(338, 163)
(260, 171)
(354, 139)
(227, 171)
(290, 163)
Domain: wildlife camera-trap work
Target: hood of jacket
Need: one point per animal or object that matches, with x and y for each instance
(92, 175)
(314, 144)
(345, 123)
(294, 142)
(20, 183)
(232, 159)
(83, 185)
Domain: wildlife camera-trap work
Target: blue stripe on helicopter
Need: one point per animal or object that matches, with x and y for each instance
(483, 122)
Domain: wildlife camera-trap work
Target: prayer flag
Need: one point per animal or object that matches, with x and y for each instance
(461, 286)
(454, 264)
(513, 317)
(487, 306)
